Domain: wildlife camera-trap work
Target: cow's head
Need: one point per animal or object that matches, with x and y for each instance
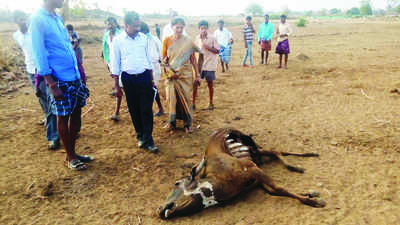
(187, 197)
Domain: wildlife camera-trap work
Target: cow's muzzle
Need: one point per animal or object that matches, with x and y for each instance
(166, 212)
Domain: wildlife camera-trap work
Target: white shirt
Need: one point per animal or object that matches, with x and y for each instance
(25, 43)
(130, 55)
(155, 48)
(284, 29)
(223, 37)
(110, 46)
(168, 31)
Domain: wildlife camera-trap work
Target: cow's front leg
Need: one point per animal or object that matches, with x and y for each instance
(274, 189)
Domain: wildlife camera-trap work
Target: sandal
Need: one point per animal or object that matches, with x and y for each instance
(84, 158)
(76, 165)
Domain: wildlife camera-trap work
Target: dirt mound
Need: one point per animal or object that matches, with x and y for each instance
(303, 57)
(12, 75)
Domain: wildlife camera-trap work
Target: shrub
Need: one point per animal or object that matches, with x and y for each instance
(301, 22)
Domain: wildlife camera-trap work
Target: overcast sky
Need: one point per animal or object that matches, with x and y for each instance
(202, 7)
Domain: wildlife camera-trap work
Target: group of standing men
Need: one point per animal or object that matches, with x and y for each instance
(134, 58)
(265, 33)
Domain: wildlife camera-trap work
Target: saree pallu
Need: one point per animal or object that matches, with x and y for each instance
(180, 90)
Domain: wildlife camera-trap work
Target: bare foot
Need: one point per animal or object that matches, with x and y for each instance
(285, 67)
(114, 117)
(188, 130)
(169, 126)
(279, 67)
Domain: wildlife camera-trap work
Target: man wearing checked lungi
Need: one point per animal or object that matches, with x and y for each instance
(55, 61)
(225, 41)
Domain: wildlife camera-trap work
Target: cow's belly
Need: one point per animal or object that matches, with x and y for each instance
(230, 175)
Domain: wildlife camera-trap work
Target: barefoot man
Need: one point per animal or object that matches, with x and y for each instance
(208, 60)
(265, 33)
(283, 32)
(225, 41)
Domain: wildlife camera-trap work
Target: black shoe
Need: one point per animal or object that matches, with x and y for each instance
(84, 158)
(151, 149)
(54, 145)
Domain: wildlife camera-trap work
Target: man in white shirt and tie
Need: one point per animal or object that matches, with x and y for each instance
(131, 63)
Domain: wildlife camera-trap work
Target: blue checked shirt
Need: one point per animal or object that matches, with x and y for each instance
(52, 50)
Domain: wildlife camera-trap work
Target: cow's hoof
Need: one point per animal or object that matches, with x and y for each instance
(317, 203)
(321, 203)
(295, 169)
(313, 194)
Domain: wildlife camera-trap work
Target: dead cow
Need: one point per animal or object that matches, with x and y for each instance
(228, 167)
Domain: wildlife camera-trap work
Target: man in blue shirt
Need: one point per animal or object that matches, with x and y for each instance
(265, 33)
(55, 61)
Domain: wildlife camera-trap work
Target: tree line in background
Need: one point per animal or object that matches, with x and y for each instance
(365, 9)
(80, 9)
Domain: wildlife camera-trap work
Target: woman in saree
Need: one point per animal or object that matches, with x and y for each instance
(182, 74)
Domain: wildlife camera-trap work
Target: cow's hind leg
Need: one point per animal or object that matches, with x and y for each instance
(278, 155)
(272, 152)
(271, 187)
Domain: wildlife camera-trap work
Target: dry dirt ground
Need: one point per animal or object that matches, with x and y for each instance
(337, 103)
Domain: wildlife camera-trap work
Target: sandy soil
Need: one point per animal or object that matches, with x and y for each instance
(338, 104)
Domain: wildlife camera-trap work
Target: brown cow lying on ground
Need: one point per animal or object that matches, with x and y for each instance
(228, 167)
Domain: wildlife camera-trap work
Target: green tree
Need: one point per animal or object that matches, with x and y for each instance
(79, 9)
(334, 11)
(392, 4)
(366, 8)
(309, 13)
(353, 12)
(254, 10)
(323, 12)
